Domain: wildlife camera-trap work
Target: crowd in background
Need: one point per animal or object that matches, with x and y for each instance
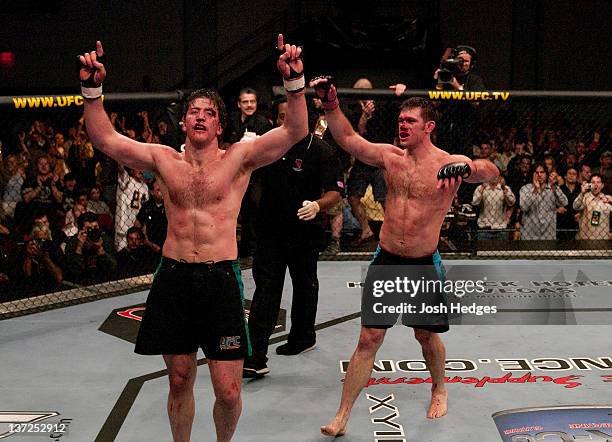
(71, 214)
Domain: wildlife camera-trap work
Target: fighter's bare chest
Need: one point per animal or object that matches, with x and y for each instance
(411, 180)
(199, 186)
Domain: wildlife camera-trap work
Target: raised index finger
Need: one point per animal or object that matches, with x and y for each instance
(280, 46)
(99, 50)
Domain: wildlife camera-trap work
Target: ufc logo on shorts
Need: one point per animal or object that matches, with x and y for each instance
(229, 342)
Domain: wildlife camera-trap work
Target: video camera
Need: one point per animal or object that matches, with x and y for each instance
(451, 65)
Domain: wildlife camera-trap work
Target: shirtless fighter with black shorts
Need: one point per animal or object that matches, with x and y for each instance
(421, 183)
(196, 297)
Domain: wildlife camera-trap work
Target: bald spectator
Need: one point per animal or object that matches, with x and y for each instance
(594, 207)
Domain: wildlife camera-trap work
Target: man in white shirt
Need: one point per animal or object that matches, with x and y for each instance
(493, 198)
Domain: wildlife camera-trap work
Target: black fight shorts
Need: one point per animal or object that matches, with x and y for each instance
(195, 305)
(432, 269)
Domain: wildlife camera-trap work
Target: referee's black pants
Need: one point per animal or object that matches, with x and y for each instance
(270, 262)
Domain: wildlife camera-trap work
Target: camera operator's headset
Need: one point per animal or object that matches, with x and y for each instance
(464, 48)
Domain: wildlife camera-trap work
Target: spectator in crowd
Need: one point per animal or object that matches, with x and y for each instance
(594, 207)
(70, 226)
(487, 153)
(58, 156)
(42, 220)
(493, 198)
(295, 188)
(516, 180)
(605, 169)
(581, 152)
(506, 155)
(585, 174)
(9, 263)
(95, 204)
(43, 191)
(90, 255)
(132, 192)
(136, 258)
(82, 163)
(152, 220)
(569, 162)
(12, 190)
(41, 263)
(247, 122)
(550, 164)
(108, 178)
(539, 201)
(70, 195)
(363, 175)
(567, 217)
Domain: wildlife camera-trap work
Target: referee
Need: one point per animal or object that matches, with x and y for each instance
(306, 181)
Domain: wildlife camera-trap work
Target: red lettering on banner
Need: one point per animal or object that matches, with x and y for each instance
(566, 381)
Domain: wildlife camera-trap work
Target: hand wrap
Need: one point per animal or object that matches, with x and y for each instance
(329, 98)
(454, 170)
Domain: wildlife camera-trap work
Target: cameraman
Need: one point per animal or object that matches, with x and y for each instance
(41, 263)
(455, 73)
(458, 122)
(90, 254)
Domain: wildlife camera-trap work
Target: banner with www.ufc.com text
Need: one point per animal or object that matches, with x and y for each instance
(505, 294)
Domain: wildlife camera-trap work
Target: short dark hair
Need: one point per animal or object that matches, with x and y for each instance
(87, 217)
(598, 176)
(535, 166)
(275, 105)
(211, 95)
(247, 90)
(134, 230)
(428, 110)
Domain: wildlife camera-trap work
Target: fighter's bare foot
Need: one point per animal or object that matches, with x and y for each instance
(439, 405)
(337, 427)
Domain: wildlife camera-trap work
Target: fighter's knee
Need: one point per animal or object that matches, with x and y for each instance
(180, 382)
(228, 397)
(370, 339)
(423, 336)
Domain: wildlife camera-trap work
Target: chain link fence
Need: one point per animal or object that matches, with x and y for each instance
(76, 226)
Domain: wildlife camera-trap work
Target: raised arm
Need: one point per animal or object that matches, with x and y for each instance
(342, 130)
(101, 132)
(273, 144)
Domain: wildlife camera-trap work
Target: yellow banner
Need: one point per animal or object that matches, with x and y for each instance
(469, 95)
(48, 101)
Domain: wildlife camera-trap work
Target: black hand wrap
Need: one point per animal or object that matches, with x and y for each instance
(329, 99)
(454, 170)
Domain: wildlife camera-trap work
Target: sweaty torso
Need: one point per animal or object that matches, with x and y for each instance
(202, 204)
(415, 208)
